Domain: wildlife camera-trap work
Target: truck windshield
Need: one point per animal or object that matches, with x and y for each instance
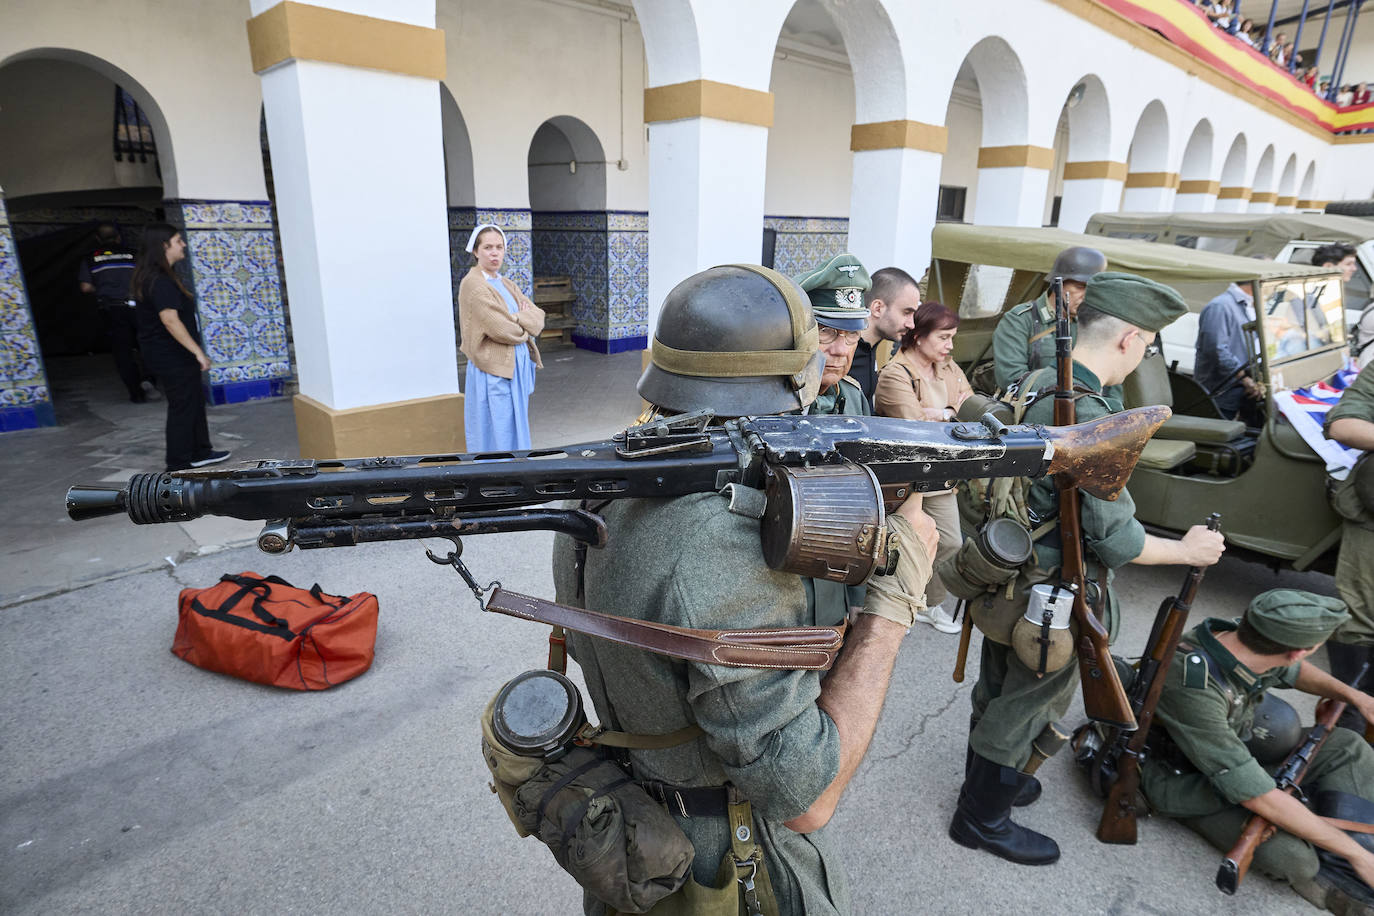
(1301, 316)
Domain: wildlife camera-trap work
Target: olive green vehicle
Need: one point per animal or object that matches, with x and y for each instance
(1269, 486)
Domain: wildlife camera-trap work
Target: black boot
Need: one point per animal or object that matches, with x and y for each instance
(982, 819)
(1030, 786)
(1346, 661)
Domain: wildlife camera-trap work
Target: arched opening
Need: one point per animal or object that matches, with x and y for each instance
(570, 250)
(1083, 173)
(1234, 195)
(84, 144)
(1197, 189)
(1149, 186)
(462, 196)
(982, 178)
(1306, 191)
(1287, 201)
(806, 198)
(1262, 195)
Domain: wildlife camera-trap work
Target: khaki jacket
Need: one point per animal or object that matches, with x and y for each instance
(490, 332)
(902, 390)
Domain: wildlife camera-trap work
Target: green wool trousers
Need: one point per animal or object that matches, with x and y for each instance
(1345, 764)
(1012, 706)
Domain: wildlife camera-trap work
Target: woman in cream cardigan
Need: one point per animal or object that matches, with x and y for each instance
(922, 382)
(499, 326)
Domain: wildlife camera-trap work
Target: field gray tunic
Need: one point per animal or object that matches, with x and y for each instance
(688, 561)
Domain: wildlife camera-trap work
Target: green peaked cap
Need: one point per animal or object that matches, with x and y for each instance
(836, 289)
(1135, 300)
(1297, 619)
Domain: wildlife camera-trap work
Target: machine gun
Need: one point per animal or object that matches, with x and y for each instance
(1287, 778)
(828, 481)
(1104, 699)
(1116, 768)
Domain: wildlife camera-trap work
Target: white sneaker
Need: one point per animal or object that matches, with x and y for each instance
(939, 618)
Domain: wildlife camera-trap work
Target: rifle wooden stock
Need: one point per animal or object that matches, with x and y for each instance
(965, 637)
(1124, 801)
(1104, 699)
(1096, 457)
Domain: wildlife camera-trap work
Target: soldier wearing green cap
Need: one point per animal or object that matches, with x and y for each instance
(1024, 338)
(1202, 767)
(836, 290)
(1013, 726)
(1351, 423)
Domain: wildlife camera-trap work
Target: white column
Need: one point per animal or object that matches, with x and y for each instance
(1011, 196)
(892, 208)
(1149, 199)
(363, 218)
(1084, 197)
(1195, 203)
(1233, 200)
(705, 199)
(1261, 202)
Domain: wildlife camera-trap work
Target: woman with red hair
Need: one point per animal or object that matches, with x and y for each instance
(922, 382)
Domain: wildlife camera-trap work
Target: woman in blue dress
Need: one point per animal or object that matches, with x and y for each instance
(499, 326)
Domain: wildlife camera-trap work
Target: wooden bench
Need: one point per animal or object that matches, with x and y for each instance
(555, 295)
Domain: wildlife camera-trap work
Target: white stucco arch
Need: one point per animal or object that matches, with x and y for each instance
(1235, 168)
(1197, 155)
(1090, 121)
(1149, 150)
(458, 167)
(157, 120)
(567, 166)
(1264, 172)
(1288, 178)
(1306, 190)
(875, 58)
(1002, 92)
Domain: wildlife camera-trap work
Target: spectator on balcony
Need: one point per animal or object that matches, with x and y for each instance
(1247, 26)
(1220, 12)
(1361, 95)
(1277, 50)
(1309, 78)
(1344, 97)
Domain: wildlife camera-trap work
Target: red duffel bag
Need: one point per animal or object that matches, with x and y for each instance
(267, 630)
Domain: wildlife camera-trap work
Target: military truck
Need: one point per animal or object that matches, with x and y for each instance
(1268, 484)
(1288, 237)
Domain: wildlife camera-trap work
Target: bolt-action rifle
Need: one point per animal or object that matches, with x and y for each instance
(1118, 764)
(828, 481)
(1104, 699)
(1288, 778)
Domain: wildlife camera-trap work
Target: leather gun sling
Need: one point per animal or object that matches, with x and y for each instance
(802, 648)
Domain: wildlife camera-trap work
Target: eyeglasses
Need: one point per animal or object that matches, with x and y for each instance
(829, 335)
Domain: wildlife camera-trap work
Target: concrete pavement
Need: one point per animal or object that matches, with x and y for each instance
(131, 782)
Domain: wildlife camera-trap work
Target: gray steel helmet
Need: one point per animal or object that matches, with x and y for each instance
(1275, 731)
(1078, 263)
(739, 340)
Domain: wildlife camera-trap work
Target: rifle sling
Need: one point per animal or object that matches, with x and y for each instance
(1349, 826)
(803, 648)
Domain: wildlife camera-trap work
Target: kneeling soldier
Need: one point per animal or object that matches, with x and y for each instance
(1202, 770)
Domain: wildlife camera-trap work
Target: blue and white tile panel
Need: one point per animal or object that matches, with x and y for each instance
(627, 275)
(606, 253)
(232, 261)
(804, 242)
(25, 402)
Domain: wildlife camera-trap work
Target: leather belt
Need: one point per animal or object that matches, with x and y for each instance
(799, 648)
(705, 801)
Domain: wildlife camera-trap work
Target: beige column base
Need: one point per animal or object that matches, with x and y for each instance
(423, 426)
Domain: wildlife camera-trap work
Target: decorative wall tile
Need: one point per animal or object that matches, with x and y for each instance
(233, 272)
(804, 242)
(605, 253)
(25, 402)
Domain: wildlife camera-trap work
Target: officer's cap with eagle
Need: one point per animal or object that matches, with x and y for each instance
(837, 290)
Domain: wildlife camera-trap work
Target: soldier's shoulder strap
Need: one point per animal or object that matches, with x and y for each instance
(1199, 667)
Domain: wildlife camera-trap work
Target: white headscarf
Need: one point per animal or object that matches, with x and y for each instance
(472, 239)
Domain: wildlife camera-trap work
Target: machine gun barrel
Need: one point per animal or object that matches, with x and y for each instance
(348, 501)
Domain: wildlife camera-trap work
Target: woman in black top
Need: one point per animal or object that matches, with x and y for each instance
(169, 337)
